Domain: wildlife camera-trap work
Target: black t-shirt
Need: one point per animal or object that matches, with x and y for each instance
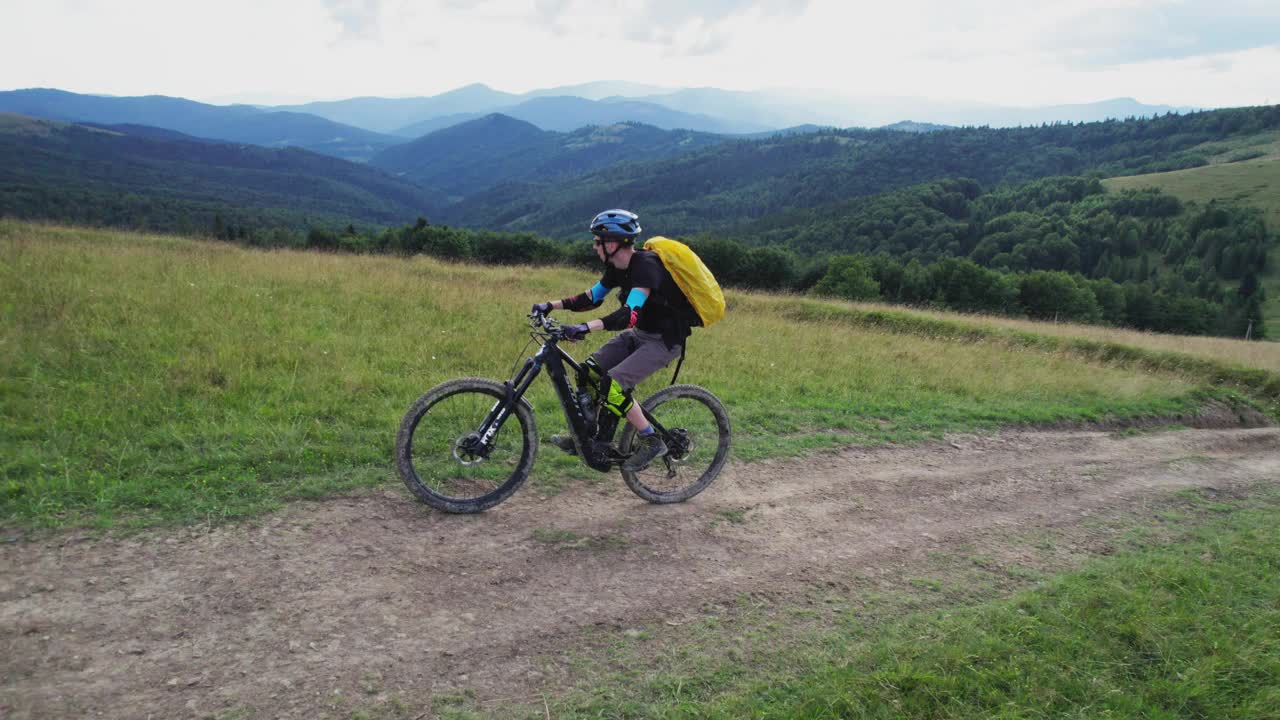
(667, 310)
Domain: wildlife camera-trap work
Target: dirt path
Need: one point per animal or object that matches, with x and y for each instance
(377, 594)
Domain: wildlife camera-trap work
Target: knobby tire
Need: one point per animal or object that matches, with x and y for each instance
(704, 462)
(434, 456)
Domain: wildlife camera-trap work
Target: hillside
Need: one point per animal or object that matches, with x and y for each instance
(494, 150)
(1057, 248)
(145, 178)
(234, 123)
(1245, 172)
(881, 528)
(197, 382)
(735, 182)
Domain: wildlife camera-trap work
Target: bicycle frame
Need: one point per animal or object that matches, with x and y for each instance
(554, 360)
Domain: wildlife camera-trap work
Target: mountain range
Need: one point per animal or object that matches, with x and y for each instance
(496, 149)
(140, 176)
(359, 128)
(731, 183)
(704, 109)
(232, 123)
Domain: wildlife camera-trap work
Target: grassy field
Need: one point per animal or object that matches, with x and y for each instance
(1183, 629)
(1261, 355)
(149, 379)
(1254, 182)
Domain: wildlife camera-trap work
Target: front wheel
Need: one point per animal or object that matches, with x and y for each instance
(697, 440)
(444, 460)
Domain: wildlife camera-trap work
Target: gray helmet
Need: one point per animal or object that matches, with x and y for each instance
(616, 224)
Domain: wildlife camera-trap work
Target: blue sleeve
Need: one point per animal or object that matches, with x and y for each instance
(635, 299)
(598, 292)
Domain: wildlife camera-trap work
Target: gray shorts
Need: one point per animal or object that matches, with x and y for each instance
(633, 355)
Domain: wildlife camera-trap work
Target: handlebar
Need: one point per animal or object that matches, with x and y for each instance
(547, 324)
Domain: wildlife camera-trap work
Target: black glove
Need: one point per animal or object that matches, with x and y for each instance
(541, 308)
(574, 333)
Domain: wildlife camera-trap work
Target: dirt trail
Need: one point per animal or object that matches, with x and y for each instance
(379, 594)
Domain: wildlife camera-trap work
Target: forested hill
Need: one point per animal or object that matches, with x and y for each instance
(739, 181)
(141, 177)
(477, 155)
(1059, 247)
(232, 123)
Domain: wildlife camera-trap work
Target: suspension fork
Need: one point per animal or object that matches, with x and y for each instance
(505, 405)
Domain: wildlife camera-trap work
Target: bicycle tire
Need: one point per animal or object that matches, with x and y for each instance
(655, 483)
(438, 456)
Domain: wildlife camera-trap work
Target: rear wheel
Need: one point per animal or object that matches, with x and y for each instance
(443, 459)
(698, 438)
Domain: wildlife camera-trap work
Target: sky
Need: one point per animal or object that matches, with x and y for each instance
(1202, 53)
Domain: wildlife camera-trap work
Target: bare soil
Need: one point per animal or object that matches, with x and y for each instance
(374, 595)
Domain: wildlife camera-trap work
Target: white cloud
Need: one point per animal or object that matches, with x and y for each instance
(1016, 52)
(360, 19)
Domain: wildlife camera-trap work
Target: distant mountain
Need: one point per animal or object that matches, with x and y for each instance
(748, 111)
(497, 149)
(734, 182)
(424, 127)
(565, 113)
(235, 123)
(705, 109)
(386, 115)
(601, 89)
(121, 175)
(146, 131)
(782, 107)
(795, 130)
(1113, 109)
(475, 154)
(916, 127)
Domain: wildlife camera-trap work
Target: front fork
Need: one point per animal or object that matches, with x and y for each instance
(480, 444)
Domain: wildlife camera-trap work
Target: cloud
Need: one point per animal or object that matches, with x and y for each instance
(678, 27)
(1166, 30)
(360, 19)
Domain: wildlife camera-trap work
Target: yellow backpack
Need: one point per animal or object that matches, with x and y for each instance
(691, 274)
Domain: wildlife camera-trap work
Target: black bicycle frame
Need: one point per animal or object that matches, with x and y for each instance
(551, 357)
(554, 360)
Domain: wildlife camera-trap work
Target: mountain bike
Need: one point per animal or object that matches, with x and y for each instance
(468, 444)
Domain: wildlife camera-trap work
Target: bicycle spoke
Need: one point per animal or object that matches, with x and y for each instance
(441, 456)
(697, 443)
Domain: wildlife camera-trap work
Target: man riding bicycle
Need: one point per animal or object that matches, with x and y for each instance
(654, 318)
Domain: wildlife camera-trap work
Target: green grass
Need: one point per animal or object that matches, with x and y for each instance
(148, 379)
(1254, 181)
(1186, 629)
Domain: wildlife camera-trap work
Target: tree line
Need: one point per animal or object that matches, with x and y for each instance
(1149, 261)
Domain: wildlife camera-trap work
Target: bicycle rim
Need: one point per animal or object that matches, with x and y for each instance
(696, 453)
(436, 462)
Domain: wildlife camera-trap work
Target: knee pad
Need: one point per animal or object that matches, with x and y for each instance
(614, 397)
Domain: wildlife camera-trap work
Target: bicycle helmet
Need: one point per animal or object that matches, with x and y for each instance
(617, 224)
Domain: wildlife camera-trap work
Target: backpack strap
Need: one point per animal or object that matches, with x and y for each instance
(683, 345)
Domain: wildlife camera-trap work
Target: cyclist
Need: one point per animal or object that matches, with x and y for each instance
(654, 318)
